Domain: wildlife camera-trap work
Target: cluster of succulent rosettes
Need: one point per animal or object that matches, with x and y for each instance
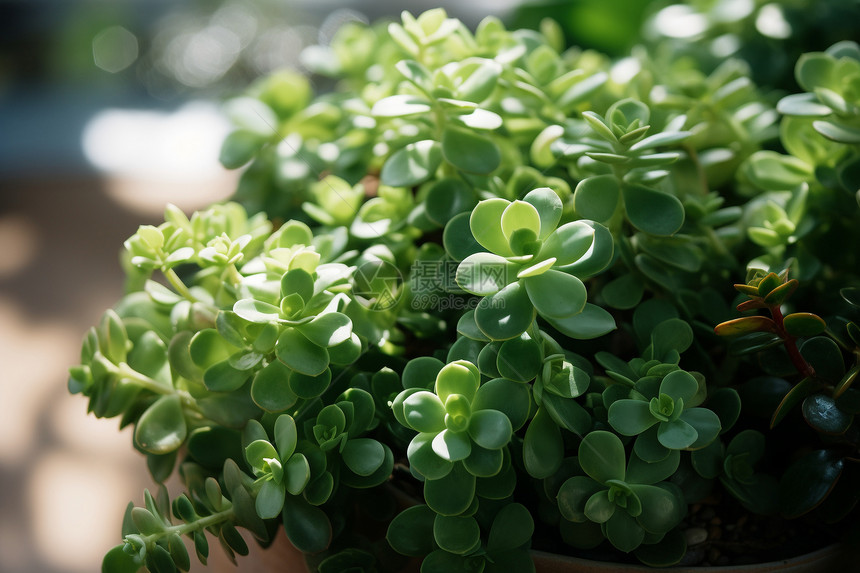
(222, 235)
(534, 266)
(627, 502)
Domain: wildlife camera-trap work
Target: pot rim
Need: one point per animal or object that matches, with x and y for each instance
(817, 558)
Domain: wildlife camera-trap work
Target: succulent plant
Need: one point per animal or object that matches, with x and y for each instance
(498, 273)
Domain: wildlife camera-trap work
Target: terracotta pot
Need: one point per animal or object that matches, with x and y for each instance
(283, 557)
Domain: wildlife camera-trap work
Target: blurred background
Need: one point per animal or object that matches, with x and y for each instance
(110, 109)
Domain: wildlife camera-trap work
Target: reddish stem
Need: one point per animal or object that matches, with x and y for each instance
(790, 344)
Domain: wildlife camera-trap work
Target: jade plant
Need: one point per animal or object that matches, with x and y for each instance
(497, 294)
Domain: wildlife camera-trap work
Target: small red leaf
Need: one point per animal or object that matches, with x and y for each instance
(751, 305)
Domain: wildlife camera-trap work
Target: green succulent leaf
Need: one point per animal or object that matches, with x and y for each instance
(457, 535)
(161, 428)
(676, 434)
(469, 151)
(597, 197)
(363, 455)
(411, 531)
(512, 528)
(490, 429)
(631, 417)
(602, 457)
(307, 527)
(300, 354)
(452, 494)
(414, 164)
(652, 211)
(808, 481)
(505, 314)
(543, 449)
(556, 294)
(803, 324)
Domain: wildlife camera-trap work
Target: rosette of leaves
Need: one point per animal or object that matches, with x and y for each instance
(442, 101)
(831, 79)
(463, 428)
(628, 500)
(278, 467)
(735, 466)
(562, 378)
(339, 431)
(495, 537)
(534, 267)
(666, 419)
(625, 166)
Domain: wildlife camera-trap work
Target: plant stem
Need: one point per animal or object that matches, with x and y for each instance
(185, 528)
(188, 402)
(790, 344)
(178, 285)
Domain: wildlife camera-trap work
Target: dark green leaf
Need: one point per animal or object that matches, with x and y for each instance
(543, 449)
(624, 292)
(452, 494)
(506, 314)
(118, 561)
(602, 457)
(161, 429)
(592, 322)
(596, 197)
(411, 532)
(791, 399)
(822, 413)
(271, 389)
(512, 528)
(447, 198)
(470, 152)
(458, 535)
(300, 354)
(652, 211)
(307, 527)
(808, 481)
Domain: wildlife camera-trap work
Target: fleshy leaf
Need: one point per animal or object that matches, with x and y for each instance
(653, 211)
